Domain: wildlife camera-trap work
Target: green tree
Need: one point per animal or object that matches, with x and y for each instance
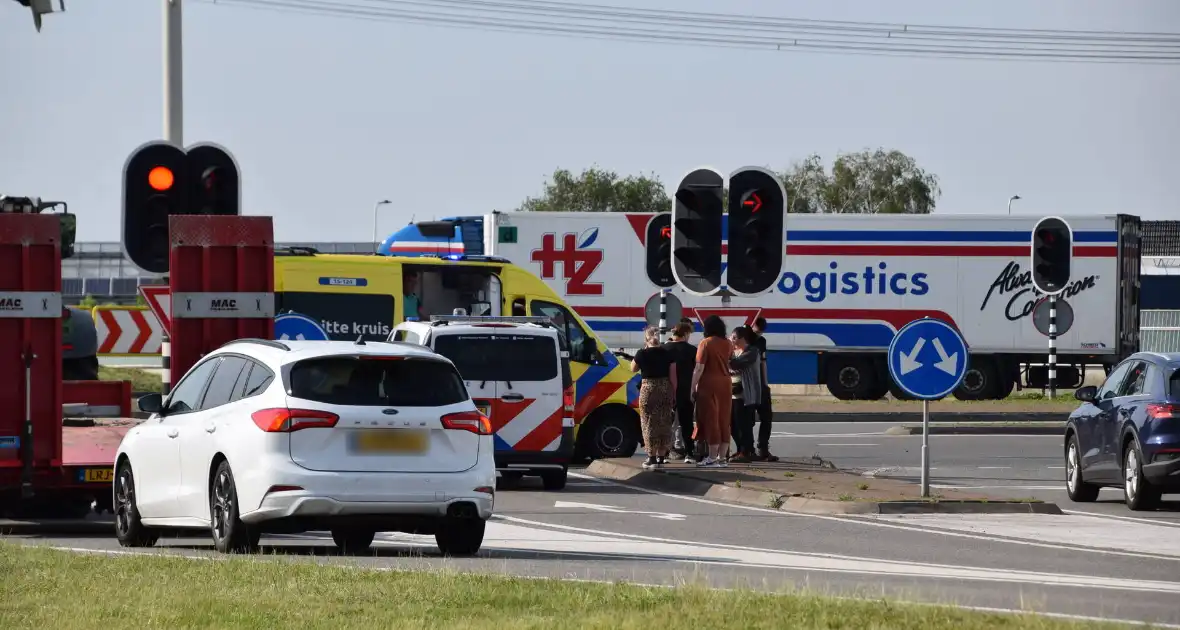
(599, 190)
(865, 182)
(87, 302)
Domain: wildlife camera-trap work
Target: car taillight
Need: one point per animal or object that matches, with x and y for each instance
(567, 404)
(283, 420)
(472, 421)
(1160, 412)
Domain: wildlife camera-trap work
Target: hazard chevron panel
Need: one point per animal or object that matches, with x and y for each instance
(127, 331)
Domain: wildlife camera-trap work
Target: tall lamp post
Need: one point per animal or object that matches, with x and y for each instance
(1010, 200)
(377, 206)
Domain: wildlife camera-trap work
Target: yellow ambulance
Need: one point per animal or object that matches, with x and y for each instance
(351, 296)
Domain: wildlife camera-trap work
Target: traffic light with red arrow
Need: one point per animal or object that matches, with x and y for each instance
(757, 234)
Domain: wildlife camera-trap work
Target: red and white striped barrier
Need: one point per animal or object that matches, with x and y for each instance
(127, 331)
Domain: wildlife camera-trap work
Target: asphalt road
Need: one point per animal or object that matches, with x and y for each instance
(1013, 466)
(1087, 565)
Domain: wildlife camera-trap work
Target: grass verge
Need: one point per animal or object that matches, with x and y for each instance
(44, 588)
(141, 380)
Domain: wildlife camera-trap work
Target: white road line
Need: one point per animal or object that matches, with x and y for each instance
(849, 444)
(1129, 519)
(999, 487)
(858, 520)
(995, 467)
(1011, 611)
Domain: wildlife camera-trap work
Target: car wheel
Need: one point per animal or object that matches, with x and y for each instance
(554, 479)
(230, 534)
(1137, 491)
(1079, 491)
(614, 433)
(353, 540)
(129, 529)
(460, 536)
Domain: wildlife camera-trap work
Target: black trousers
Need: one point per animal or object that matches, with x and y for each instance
(765, 421)
(743, 426)
(684, 419)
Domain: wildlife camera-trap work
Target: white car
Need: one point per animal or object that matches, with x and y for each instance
(293, 436)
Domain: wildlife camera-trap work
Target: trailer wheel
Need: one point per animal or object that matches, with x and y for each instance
(851, 378)
(129, 529)
(981, 382)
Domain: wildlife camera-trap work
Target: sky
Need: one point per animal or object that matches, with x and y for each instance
(328, 115)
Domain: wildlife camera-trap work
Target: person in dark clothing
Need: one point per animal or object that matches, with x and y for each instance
(684, 355)
(746, 367)
(765, 411)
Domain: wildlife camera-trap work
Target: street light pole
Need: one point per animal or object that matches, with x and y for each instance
(1010, 200)
(173, 74)
(376, 206)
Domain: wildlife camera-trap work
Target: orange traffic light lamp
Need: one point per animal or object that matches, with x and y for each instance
(161, 178)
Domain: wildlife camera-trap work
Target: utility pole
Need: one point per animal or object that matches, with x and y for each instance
(173, 74)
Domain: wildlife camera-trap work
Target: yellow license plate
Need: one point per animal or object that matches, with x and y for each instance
(392, 441)
(98, 475)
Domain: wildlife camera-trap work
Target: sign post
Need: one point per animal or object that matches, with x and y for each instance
(1052, 262)
(928, 360)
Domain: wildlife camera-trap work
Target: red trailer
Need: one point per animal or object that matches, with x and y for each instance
(47, 469)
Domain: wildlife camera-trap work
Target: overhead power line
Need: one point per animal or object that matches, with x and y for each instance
(567, 19)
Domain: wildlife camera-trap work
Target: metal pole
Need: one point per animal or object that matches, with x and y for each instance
(663, 314)
(925, 449)
(173, 74)
(173, 132)
(376, 242)
(1053, 346)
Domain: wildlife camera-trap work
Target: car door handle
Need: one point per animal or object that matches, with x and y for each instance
(512, 397)
(173, 433)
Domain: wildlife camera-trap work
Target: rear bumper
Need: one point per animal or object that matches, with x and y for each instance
(1165, 474)
(539, 460)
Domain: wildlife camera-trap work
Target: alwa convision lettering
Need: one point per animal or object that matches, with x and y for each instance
(1024, 295)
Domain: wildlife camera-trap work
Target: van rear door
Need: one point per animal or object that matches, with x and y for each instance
(516, 377)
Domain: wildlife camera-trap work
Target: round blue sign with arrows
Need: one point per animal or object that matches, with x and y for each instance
(298, 327)
(928, 358)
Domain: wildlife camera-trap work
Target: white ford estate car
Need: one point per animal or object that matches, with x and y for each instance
(293, 436)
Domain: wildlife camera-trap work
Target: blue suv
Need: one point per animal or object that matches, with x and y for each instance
(1127, 433)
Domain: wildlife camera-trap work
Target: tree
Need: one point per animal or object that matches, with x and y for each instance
(867, 182)
(598, 190)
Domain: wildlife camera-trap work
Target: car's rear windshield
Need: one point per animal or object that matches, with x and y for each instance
(377, 381)
(500, 357)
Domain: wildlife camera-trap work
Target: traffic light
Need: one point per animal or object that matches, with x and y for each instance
(757, 207)
(696, 232)
(155, 186)
(1052, 255)
(659, 250)
(214, 181)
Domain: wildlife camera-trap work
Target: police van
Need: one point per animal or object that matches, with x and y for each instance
(519, 378)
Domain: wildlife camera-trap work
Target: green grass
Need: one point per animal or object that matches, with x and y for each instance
(141, 381)
(44, 588)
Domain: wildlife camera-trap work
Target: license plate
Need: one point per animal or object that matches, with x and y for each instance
(484, 408)
(391, 441)
(98, 475)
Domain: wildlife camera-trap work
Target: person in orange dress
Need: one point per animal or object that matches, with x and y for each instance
(711, 389)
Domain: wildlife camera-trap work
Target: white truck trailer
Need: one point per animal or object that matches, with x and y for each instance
(848, 284)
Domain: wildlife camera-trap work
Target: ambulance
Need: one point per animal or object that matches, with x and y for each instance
(350, 297)
(848, 284)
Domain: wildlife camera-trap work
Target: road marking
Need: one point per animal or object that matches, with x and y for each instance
(1055, 467)
(894, 470)
(995, 467)
(1129, 519)
(849, 444)
(618, 510)
(1010, 611)
(999, 487)
(1072, 529)
(831, 435)
(532, 536)
(858, 520)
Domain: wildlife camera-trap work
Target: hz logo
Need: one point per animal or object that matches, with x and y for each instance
(578, 262)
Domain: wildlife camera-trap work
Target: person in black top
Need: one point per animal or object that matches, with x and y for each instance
(657, 397)
(684, 356)
(765, 410)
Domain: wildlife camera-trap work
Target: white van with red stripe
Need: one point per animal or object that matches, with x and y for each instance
(519, 377)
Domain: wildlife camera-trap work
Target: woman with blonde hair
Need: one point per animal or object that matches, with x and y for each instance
(657, 397)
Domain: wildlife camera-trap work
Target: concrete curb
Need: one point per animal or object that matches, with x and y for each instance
(916, 416)
(677, 482)
(80, 526)
(1055, 428)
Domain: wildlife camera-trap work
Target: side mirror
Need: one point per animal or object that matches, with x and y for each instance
(1086, 394)
(151, 403)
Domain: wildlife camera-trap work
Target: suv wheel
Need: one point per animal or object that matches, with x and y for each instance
(352, 541)
(460, 536)
(1079, 491)
(1137, 491)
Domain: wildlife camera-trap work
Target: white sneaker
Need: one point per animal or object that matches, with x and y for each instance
(705, 463)
(688, 459)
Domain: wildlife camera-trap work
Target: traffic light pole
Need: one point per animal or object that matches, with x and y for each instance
(1053, 346)
(663, 314)
(173, 75)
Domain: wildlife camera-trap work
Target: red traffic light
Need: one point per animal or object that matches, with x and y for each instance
(752, 202)
(161, 178)
(666, 232)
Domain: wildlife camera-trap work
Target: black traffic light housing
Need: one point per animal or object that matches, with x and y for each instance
(161, 179)
(1052, 255)
(697, 231)
(658, 246)
(757, 237)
